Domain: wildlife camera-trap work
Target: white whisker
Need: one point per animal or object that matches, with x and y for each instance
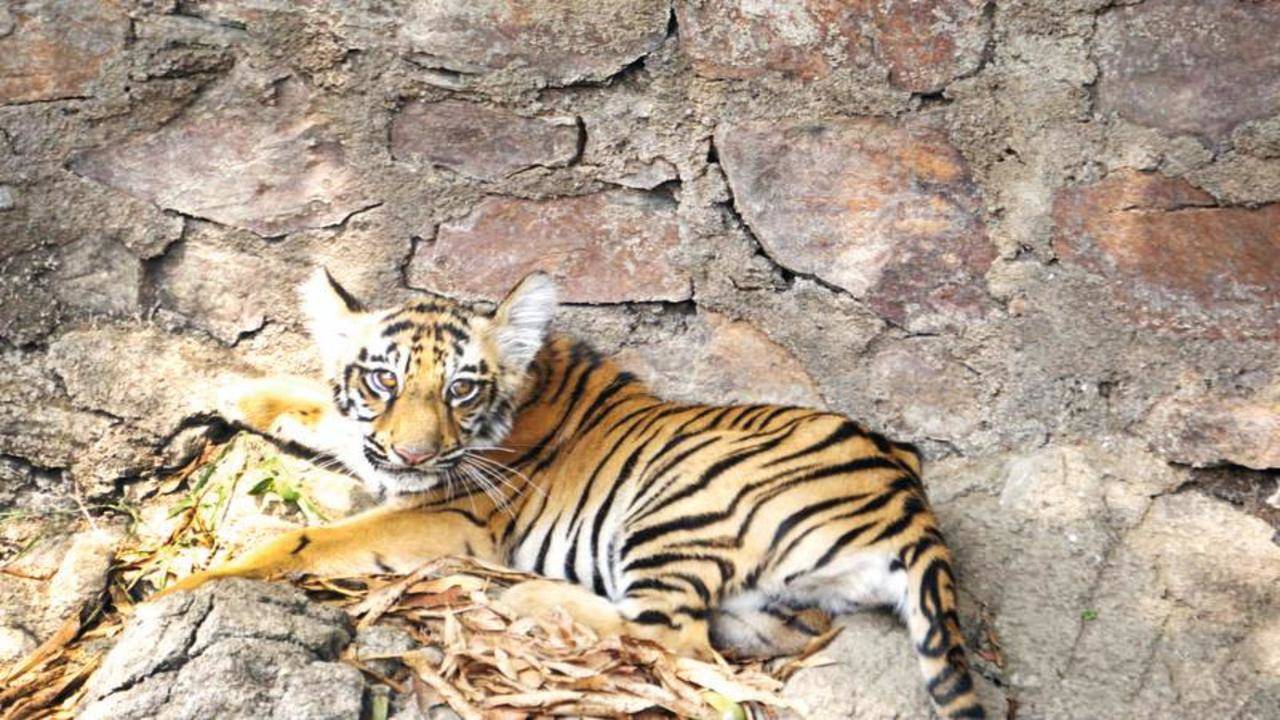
(503, 467)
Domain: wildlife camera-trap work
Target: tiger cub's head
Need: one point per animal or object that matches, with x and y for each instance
(425, 383)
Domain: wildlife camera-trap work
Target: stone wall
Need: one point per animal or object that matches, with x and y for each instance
(1041, 238)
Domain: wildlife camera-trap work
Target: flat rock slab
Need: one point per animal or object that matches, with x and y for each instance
(262, 159)
(608, 247)
(558, 42)
(232, 649)
(884, 211)
(55, 50)
(924, 45)
(1213, 431)
(1190, 66)
(1145, 233)
(479, 141)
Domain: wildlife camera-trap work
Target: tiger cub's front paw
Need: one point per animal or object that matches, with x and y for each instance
(279, 406)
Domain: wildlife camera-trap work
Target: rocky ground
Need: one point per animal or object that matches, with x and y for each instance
(1037, 237)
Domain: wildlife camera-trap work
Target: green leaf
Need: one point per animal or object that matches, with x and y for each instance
(182, 506)
(263, 485)
(1089, 615)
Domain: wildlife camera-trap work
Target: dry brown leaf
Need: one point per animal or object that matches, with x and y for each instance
(540, 699)
(421, 665)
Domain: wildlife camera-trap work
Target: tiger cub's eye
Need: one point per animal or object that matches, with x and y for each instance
(463, 390)
(382, 381)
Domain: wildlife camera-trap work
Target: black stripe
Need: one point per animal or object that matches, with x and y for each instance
(662, 559)
(672, 443)
(773, 415)
(845, 431)
(717, 469)
(911, 507)
(348, 299)
(844, 539)
(396, 327)
(382, 565)
(696, 584)
(576, 520)
(960, 683)
(654, 617)
(651, 584)
(540, 565)
(808, 511)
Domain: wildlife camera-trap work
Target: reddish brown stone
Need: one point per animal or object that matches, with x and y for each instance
(269, 168)
(1173, 260)
(55, 50)
(924, 44)
(560, 41)
(480, 141)
(1190, 66)
(887, 212)
(608, 247)
(928, 43)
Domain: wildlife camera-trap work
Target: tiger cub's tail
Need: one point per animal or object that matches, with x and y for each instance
(931, 618)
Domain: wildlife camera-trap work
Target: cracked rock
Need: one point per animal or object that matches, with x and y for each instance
(481, 142)
(557, 42)
(1144, 234)
(232, 649)
(613, 246)
(723, 358)
(233, 303)
(887, 212)
(270, 164)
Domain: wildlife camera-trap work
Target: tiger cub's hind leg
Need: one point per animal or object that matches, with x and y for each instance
(753, 626)
(917, 580)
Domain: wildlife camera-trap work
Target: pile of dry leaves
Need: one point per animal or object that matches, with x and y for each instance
(479, 657)
(485, 661)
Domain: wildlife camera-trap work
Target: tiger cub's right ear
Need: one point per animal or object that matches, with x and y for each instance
(333, 316)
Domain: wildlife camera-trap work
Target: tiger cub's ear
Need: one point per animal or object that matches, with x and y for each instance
(333, 316)
(521, 320)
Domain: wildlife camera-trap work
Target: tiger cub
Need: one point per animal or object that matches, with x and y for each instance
(702, 525)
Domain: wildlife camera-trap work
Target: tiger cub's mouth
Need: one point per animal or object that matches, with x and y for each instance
(433, 468)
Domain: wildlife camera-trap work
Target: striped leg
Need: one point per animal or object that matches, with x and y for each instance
(930, 613)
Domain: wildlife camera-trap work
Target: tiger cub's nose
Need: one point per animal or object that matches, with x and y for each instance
(413, 456)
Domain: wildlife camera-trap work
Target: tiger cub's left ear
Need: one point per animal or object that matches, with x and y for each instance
(521, 320)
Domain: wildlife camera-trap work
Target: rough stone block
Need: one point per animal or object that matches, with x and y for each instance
(1190, 66)
(924, 45)
(557, 41)
(480, 141)
(55, 50)
(1172, 259)
(608, 247)
(886, 212)
(270, 165)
